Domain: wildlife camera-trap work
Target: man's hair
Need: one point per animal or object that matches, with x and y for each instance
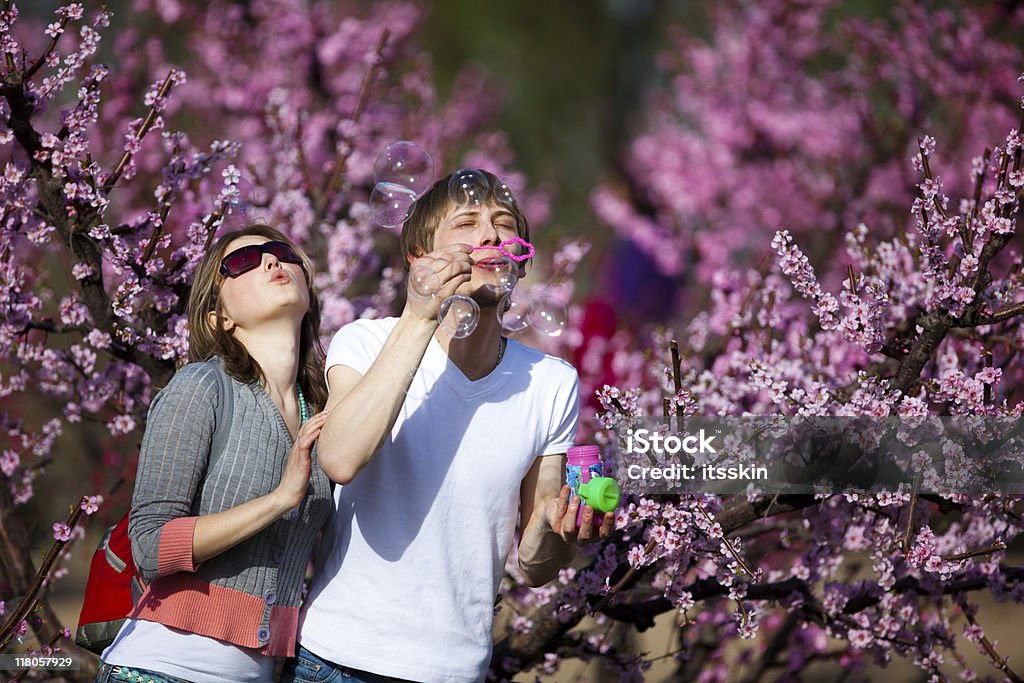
(436, 203)
(206, 340)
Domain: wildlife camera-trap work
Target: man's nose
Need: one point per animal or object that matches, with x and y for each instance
(489, 235)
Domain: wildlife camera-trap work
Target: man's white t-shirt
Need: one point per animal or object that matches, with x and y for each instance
(411, 562)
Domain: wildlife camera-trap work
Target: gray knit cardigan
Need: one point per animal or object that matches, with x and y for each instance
(248, 595)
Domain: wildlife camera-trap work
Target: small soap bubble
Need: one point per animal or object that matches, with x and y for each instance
(502, 272)
(507, 281)
(503, 193)
(424, 280)
(391, 204)
(468, 188)
(547, 315)
(514, 319)
(459, 315)
(407, 164)
(238, 202)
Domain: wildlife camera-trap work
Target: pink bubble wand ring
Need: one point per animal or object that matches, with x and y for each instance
(503, 248)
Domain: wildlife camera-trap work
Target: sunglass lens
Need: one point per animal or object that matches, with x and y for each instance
(242, 260)
(282, 252)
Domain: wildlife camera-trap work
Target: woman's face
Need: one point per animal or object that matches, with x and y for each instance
(270, 291)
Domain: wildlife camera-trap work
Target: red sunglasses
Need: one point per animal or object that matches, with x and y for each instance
(241, 261)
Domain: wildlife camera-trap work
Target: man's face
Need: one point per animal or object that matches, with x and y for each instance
(487, 225)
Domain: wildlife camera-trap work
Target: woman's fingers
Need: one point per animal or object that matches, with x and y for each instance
(310, 430)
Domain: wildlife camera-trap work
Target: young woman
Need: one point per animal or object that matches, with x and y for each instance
(221, 528)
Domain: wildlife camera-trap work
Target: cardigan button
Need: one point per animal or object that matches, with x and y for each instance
(278, 556)
(263, 634)
(292, 514)
(270, 597)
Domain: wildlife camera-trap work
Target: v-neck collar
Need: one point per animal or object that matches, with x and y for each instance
(264, 395)
(437, 361)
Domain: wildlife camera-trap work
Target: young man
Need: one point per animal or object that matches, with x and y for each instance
(435, 475)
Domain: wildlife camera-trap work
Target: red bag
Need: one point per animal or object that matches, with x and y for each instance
(114, 584)
(113, 587)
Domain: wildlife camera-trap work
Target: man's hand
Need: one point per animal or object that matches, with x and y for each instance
(435, 276)
(560, 514)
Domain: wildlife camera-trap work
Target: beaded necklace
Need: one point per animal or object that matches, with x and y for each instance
(303, 408)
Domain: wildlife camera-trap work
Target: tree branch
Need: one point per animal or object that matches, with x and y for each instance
(1000, 316)
(165, 88)
(345, 146)
(41, 59)
(549, 628)
(30, 599)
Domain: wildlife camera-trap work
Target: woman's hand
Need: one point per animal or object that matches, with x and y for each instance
(295, 478)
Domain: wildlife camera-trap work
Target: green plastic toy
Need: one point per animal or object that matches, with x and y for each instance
(601, 493)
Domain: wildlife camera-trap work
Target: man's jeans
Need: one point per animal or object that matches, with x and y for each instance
(306, 667)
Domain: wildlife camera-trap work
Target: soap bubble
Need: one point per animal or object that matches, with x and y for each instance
(468, 188)
(391, 203)
(424, 280)
(504, 272)
(406, 164)
(240, 201)
(507, 281)
(514, 319)
(504, 194)
(244, 199)
(459, 315)
(547, 315)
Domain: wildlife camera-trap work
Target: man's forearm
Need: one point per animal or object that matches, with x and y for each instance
(542, 552)
(361, 420)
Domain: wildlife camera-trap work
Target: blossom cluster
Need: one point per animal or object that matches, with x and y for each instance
(834, 256)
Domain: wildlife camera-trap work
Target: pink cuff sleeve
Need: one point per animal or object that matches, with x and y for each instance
(176, 546)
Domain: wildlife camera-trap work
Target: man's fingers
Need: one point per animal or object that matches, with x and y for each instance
(456, 268)
(446, 256)
(453, 282)
(450, 271)
(563, 500)
(607, 524)
(586, 525)
(569, 520)
(457, 248)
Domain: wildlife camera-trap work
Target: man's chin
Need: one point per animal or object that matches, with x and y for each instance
(487, 296)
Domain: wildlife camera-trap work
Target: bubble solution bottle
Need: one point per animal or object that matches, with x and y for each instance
(584, 472)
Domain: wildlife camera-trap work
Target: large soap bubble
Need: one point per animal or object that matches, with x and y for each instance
(391, 204)
(459, 315)
(547, 315)
(407, 164)
(468, 188)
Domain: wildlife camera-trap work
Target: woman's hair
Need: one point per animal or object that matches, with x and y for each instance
(433, 205)
(206, 340)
